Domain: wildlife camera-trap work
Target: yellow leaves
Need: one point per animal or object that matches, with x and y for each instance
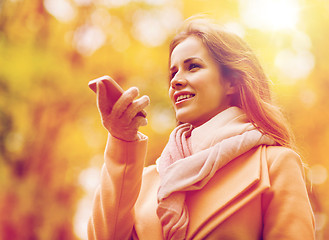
(51, 130)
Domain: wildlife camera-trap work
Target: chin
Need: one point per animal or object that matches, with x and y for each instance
(181, 119)
(187, 116)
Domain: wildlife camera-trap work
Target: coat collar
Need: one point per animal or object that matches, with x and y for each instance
(231, 188)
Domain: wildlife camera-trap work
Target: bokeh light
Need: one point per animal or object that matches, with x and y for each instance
(60, 9)
(317, 174)
(115, 3)
(89, 179)
(270, 14)
(294, 65)
(51, 138)
(308, 98)
(162, 119)
(235, 28)
(88, 38)
(83, 2)
(152, 27)
(320, 220)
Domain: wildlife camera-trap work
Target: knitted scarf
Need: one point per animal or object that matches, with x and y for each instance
(193, 155)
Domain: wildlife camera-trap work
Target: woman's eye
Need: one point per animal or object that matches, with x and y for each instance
(193, 66)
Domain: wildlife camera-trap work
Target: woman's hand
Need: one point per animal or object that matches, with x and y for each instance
(121, 120)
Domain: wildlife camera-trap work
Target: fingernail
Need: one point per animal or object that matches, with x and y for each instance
(147, 98)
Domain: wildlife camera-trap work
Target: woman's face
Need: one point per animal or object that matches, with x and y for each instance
(197, 90)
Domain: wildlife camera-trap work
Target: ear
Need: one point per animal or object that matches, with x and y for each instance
(232, 81)
(231, 87)
(231, 90)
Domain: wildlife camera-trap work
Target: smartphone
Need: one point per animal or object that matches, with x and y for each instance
(113, 90)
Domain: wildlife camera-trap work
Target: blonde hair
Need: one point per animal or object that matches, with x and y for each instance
(240, 65)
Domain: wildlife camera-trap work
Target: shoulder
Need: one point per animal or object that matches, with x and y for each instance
(284, 163)
(287, 197)
(277, 155)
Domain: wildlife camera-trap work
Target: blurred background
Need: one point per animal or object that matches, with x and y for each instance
(51, 137)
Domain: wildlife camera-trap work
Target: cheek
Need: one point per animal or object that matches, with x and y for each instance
(211, 94)
(170, 94)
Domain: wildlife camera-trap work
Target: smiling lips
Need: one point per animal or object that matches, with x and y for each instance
(184, 97)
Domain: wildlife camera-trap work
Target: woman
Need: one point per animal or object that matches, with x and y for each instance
(228, 170)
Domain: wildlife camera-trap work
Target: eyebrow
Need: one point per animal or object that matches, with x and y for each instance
(187, 60)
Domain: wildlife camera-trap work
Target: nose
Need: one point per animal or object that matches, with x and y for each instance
(178, 83)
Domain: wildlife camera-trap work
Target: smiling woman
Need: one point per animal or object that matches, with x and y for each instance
(239, 74)
(228, 170)
(197, 88)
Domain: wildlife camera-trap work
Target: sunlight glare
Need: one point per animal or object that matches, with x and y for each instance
(155, 2)
(83, 2)
(308, 97)
(87, 39)
(294, 65)
(162, 119)
(62, 10)
(115, 3)
(81, 217)
(235, 28)
(301, 41)
(317, 174)
(89, 179)
(270, 14)
(320, 220)
(152, 27)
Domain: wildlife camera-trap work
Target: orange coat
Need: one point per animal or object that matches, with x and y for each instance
(259, 195)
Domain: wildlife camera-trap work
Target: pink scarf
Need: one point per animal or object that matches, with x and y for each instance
(192, 156)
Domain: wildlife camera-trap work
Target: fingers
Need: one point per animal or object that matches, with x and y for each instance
(121, 129)
(124, 101)
(126, 108)
(122, 120)
(135, 107)
(139, 122)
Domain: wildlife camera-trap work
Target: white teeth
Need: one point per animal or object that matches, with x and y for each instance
(185, 96)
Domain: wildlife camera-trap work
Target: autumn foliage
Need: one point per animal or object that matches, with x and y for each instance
(51, 138)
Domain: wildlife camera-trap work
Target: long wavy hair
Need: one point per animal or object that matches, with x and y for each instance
(240, 65)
